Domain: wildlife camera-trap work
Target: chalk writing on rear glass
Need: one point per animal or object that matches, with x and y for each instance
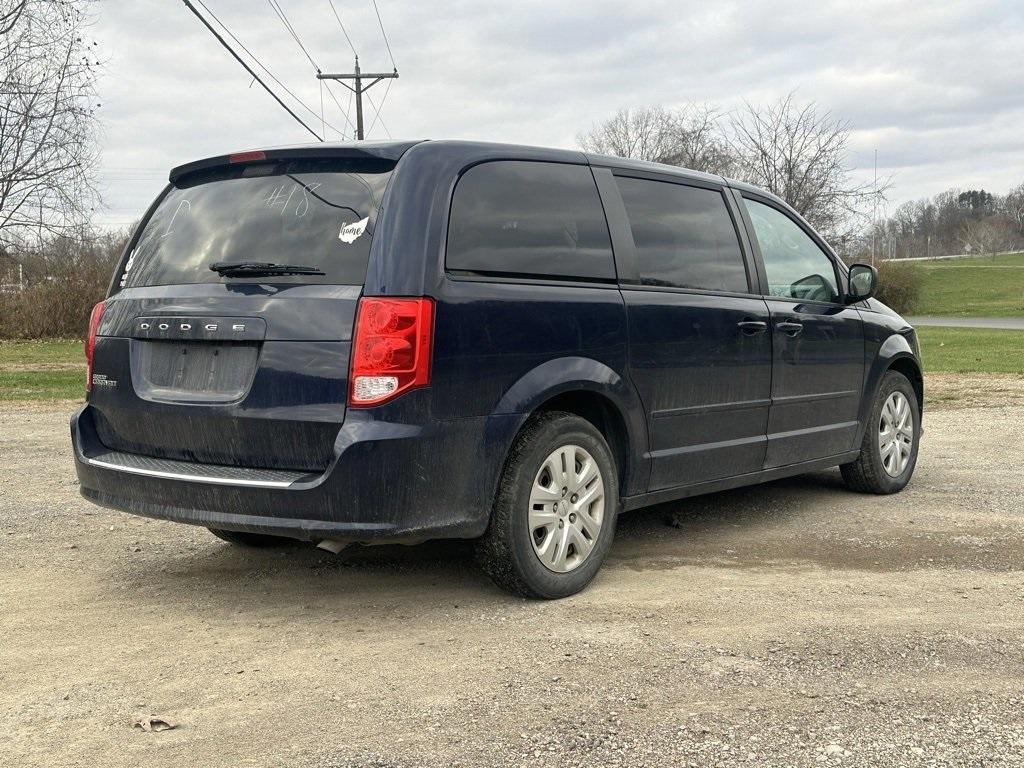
(302, 208)
(185, 206)
(282, 195)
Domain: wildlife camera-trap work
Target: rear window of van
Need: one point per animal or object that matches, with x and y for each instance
(318, 213)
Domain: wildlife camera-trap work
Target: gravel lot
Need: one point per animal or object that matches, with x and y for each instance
(786, 625)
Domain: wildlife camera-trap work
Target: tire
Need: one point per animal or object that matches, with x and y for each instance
(241, 538)
(874, 472)
(532, 516)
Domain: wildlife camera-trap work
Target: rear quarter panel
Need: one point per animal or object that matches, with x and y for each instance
(506, 348)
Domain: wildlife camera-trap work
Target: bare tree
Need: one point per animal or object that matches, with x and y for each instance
(641, 134)
(698, 141)
(990, 235)
(690, 137)
(1014, 206)
(800, 153)
(48, 127)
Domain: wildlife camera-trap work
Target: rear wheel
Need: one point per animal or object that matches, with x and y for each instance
(888, 453)
(555, 513)
(244, 539)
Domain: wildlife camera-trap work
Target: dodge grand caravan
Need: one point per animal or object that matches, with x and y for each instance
(402, 341)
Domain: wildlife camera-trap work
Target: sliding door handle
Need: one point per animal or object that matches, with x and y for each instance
(750, 327)
(790, 329)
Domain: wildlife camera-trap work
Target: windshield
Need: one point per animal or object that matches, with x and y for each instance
(314, 213)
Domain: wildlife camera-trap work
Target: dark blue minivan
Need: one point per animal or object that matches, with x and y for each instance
(401, 341)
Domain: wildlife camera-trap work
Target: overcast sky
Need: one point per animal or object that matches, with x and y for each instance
(935, 87)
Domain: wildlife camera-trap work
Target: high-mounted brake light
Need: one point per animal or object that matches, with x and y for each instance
(90, 342)
(247, 157)
(391, 349)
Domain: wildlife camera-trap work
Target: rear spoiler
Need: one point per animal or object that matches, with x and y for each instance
(364, 151)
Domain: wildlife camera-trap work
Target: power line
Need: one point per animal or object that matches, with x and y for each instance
(291, 30)
(382, 123)
(385, 34)
(262, 66)
(343, 30)
(344, 112)
(377, 118)
(283, 17)
(249, 69)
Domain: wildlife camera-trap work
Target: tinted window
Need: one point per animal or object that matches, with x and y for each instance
(684, 236)
(530, 219)
(292, 213)
(796, 266)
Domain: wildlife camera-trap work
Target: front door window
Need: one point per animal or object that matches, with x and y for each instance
(796, 267)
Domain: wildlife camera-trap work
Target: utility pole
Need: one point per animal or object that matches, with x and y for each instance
(359, 76)
(874, 211)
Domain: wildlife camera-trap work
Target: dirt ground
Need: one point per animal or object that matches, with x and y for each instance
(792, 624)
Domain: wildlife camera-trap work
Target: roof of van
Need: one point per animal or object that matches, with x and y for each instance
(393, 150)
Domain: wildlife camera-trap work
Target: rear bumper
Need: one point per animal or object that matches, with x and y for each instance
(386, 482)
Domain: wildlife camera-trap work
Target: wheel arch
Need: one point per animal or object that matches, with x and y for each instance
(593, 391)
(908, 366)
(895, 354)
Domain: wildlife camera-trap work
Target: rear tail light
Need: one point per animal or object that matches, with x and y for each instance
(90, 342)
(391, 349)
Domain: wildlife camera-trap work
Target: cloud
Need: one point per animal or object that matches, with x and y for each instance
(933, 87)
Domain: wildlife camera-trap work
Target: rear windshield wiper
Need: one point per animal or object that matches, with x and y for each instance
(261, 269)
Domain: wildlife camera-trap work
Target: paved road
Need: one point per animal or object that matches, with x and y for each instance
(1010, 323)
(795, 624)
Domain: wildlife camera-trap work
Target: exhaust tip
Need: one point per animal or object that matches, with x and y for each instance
(334, 546)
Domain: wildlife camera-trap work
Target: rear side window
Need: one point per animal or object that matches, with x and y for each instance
(530, 219)
(314, 213)
(684, 236)
(796, 267)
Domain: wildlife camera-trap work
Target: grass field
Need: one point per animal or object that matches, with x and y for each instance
(976, 287)
(42, 385)
(55, 370)
(971, 350)
(42, 370)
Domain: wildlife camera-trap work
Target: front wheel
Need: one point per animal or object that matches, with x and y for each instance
(556, 508)
(888, 453)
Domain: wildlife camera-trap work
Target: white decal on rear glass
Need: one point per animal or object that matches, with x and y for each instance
(351, 232)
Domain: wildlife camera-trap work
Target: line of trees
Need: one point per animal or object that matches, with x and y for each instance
(952, 222)
(64, 275)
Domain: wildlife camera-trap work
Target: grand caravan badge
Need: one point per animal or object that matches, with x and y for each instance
(351, 232)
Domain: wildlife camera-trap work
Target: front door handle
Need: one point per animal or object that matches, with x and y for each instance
(750, 327)
(789, 328)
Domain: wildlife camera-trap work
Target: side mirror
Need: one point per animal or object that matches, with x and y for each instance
(863, 282)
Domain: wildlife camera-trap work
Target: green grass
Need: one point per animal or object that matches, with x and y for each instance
(55, 352)
(971, 350)
(42, 385)
(42, 370)
(977, 287)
